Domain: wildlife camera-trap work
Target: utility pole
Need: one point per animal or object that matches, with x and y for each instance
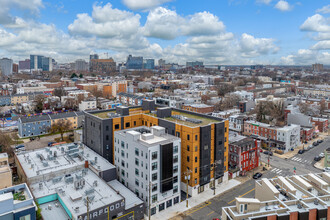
(149, 202)
(87, 203)
(187, 177)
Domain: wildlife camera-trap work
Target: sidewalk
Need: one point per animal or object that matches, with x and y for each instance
(320, 164)
(194, 201)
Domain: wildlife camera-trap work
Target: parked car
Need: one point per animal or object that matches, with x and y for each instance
(326, 169)
(321, 155)
(315, 143)
(311, 146)
(317, 158)
(301, 151)
(257, 175)
(319, 141)
(19, 147)
(51, 143)
(268, 153)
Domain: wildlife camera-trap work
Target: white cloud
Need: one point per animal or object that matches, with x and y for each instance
(267, 2)
(167, 24)
(143, 4)
(305, 56)
(316, 23)
(324, 10)
(253, 47)
(283, 6)
(106, 22)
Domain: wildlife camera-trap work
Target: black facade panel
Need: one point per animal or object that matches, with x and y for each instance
(166, 172)
(164, 112)
(148, 105)
(303, 215)
(169, 126)
(284, 217)
(205, 154)
(322, 213)
(122, 110)
(259, 218)
(219, 143)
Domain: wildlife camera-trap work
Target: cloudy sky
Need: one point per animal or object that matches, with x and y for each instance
(285, 32)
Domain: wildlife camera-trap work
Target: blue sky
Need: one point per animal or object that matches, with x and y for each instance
(214, 31)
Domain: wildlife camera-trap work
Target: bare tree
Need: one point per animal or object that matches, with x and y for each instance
(97, 94)
(5, 142)
(59, 92)
(61, 126)
(39, 103)
(225, 88)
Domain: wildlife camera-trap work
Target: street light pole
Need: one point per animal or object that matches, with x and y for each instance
(187, 178)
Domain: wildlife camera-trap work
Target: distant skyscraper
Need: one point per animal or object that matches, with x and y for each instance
(149, 64)
(15, 68)
(35, 62)
(24, 65)
(194, 64)
(47, 64)
(93, 57)
(161, 63)
(134, 62)
(317, 67)
(6, 66)
(81, 65)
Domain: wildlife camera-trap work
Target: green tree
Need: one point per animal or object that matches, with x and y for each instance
(81, 75)
(73, 75)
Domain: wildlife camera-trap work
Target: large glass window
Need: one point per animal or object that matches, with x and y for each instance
(154, 166)
(154, 176)
(154, 155)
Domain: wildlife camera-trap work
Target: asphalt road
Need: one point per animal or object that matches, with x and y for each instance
(279, 167)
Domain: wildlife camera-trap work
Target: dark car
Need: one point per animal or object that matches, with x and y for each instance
(268, 153)
(317, 158)
(319, 141)
(301, 151)
(315, 143)
(19, 147)
(257, 176)
(50, 144)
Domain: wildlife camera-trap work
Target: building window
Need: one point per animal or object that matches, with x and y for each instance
(188, 147)
(136, 151)
(154, 187)
(127, 125)
(175, 179)
(134, 123)
(153, 210)
(154, 155)
(26, 217)
(188, 137)
(195, 159)
(107, 137)
(154, 176)
(136, 162)
(196, 170)
(154, 166)
(188, 159)
(154, 198)
(107, 128)
(195, 180)
(117, 126)
(175, 149)
(175, 189)
(122, 153)
(196, 137)
(175, 159)
(137, 182)
(206, 147)
(177, 134)
(122, 144)
(196, 148)
(137, 172)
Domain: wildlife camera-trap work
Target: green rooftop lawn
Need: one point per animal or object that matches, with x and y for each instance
(103, 114)
(205, 121)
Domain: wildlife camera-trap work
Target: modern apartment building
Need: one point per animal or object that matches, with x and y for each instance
(204, 139)
(134, 62)
(285, 198)
(6, 66)
(149, 157)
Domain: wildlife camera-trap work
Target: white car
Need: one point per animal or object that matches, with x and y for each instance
(321, 155)
(326, 169)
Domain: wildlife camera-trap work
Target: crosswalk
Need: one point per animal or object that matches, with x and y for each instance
(300, 160)
(276, 170)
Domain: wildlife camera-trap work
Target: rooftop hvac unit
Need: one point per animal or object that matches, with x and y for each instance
(87, 155)
(89, 191)
(32, 166)
(47, 149)
(316, 202)
(55, 153)
(62, 149)
(79, 184)
(299, 206)
(95, 183)
(40, 185)
(76, 209)
(84, 171)
(95, 160)
(45, 163)
(29, 161)
(37, 172)
(78, 176)
(68, 179)
(57, 179)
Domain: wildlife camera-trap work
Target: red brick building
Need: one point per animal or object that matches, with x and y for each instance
(199, 108)
(243, 153)
(322, 124)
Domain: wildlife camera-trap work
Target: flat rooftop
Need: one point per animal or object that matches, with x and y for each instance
(98, 191)
(48, 160)
(204, 120)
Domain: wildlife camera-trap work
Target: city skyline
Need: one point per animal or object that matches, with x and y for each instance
(230, 32)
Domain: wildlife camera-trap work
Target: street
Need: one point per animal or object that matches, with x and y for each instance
(279, 167)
